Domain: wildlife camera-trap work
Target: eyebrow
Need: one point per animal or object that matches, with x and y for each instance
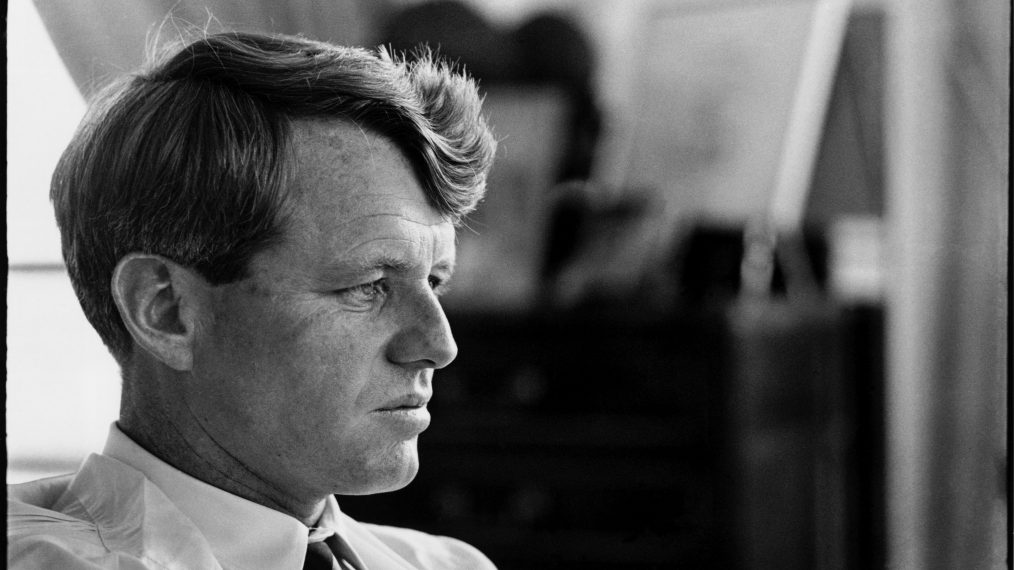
(382, 261)
(386, 262)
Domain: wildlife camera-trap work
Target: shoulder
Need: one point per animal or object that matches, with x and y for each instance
(104, 516)
(34, 520)
(429, 551)
(38, 537)
(47, 550)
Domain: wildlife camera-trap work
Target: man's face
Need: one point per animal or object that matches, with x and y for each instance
(314, 371)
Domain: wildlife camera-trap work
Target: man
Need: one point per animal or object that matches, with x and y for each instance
(259, 229)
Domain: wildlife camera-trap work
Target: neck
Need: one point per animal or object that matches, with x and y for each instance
(157, 418)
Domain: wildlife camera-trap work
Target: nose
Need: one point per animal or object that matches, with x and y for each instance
(424, 338)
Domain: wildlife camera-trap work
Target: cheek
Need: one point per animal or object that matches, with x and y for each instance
(249, 328)
(244, 356)
(294, 359)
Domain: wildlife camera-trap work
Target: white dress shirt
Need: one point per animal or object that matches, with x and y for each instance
(127, 509)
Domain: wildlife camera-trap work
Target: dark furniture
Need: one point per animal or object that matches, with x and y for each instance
(689, 440)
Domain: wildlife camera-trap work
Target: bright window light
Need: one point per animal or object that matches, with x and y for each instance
(62, 385)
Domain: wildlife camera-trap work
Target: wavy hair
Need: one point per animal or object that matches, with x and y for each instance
(190, 157)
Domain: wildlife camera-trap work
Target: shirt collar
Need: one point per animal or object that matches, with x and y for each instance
(241, 533)
(332, 522)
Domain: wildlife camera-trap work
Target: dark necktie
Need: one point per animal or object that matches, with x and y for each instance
(318, 557)
(321, 555)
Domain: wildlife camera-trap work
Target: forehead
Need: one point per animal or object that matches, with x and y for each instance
(344, 171)
(354, 197)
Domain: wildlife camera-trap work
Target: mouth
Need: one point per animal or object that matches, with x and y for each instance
(406, 416)
(405, 403)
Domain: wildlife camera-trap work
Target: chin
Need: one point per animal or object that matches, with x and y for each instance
(390, 474)
(376, 487)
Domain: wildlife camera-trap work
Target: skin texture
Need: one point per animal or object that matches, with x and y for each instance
(310, 376)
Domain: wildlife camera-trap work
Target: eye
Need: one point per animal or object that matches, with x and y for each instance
(365, 293)
(438, 285)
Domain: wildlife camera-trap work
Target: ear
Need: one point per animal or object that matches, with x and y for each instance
(161, 303)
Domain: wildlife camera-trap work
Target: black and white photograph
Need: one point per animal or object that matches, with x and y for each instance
(508, 284)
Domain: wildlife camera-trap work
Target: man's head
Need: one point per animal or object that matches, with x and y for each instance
(191, 157)
(265, 219)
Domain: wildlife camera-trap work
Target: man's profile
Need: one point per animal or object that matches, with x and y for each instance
(259, 227)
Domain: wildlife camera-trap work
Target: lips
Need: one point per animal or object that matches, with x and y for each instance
(405, 417)
(407, 402)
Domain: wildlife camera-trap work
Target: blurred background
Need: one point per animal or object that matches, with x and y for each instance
(737, 298)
